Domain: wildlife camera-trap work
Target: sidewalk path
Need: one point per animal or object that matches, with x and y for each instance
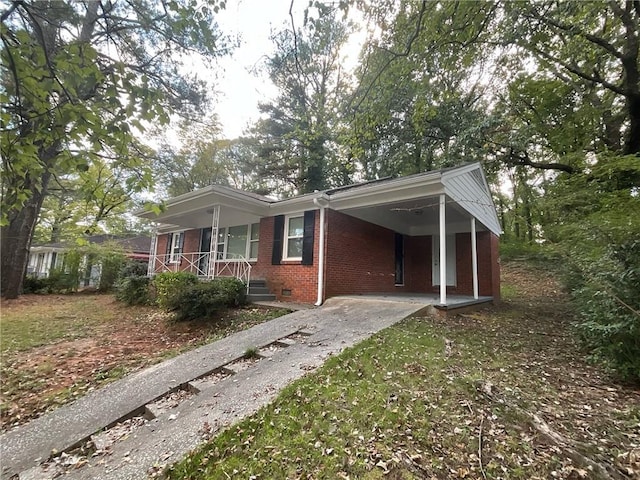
(216, 386)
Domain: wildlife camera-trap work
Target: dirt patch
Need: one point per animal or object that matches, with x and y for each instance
(127, 339)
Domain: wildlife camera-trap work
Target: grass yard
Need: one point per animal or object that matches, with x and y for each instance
(503, 392)
(56, 348)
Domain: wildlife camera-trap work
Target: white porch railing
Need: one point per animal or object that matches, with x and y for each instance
(198, 264)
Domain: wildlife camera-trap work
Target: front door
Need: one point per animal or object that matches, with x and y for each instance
(451, 260)
(205, 247)
(399, 246)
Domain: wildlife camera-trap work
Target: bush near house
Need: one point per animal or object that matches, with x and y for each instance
(133, 286)
(207, 299)
(168, 285)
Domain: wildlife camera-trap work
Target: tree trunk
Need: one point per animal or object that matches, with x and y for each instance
(632, 144)
(16, 241)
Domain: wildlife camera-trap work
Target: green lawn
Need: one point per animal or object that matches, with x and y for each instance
(401, 405)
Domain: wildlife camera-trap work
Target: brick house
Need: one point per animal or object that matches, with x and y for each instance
(389, 236)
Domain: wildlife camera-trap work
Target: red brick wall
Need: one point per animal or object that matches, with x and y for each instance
(360, 256)
(417, 264)
(488, 268)
(300, 280)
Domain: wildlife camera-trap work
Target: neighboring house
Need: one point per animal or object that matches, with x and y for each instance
(396, 235)
(44, 258)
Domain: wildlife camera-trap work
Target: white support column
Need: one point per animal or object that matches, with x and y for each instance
(443, 252)
(474, 258)
(213, 247)
(151, 266)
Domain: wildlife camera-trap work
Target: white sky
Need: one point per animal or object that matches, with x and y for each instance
(240, 90)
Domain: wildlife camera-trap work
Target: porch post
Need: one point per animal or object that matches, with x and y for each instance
(474, 257)
(443, 252)
(151, 265)
(213, 246)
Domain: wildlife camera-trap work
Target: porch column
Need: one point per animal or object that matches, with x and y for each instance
(213, 246)
(151, 265)
(474, 258)
(443, 252)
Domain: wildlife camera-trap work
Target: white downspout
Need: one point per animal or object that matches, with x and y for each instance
(321, 202)
(443, 252)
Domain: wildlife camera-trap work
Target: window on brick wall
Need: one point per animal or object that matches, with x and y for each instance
(293, 236)
(237, 242)
(177, 244)
(254, 239)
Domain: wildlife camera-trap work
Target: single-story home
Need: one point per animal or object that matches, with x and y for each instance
(45, 257)
(388, 236)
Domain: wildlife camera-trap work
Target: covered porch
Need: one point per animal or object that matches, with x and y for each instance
(212, 232)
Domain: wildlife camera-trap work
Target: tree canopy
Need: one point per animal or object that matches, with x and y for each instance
(79, 80)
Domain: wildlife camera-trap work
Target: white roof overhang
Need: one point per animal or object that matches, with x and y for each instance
(408, 205)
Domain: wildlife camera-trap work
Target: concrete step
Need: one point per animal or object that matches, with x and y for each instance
(261, 297)
(259, 291)
(257, 283)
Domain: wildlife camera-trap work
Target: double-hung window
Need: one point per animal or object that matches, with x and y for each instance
(176, 246)
(237, 242)
(254, 240)
(293, 235)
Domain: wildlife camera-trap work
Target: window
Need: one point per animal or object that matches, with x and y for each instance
(240, 241)
(293, 233)
(237, 242)
(177, 243)
(222, 243)
(254, 239)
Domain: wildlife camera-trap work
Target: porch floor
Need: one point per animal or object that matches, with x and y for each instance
(453, 301)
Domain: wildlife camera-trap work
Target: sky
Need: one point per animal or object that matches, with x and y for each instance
(239, 89)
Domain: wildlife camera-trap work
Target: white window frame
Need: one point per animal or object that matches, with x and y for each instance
(249, 241)
(175, 244)
(223, 246)
(286, 237)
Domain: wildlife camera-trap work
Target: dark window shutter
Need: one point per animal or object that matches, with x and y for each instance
(169, 242)
(278, 233)
(307, 239)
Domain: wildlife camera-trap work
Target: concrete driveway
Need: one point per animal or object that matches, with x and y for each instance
(172, 407)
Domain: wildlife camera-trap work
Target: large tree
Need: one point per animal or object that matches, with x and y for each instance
(78, 80)
(296, 138)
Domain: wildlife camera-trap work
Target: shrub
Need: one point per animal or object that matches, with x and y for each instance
(609, 303)
(133, 268)
(133, 290)
(169, 285)
(207, 299)
(111, 263)
(33, 284)
(61, 281)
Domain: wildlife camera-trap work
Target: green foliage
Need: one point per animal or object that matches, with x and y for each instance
(169, 285)
(609, 300)
(33, 284)
(133, 290)
(133, 286)
(596, 229)
(207, 299)
(111, 263)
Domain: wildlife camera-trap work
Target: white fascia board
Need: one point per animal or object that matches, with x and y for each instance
(394, 191)
(206, 198)
(296, 204)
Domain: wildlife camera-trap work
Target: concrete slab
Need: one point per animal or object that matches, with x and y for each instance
(340, 323)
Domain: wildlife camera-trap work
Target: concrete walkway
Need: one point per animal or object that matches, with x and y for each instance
(181, 402)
